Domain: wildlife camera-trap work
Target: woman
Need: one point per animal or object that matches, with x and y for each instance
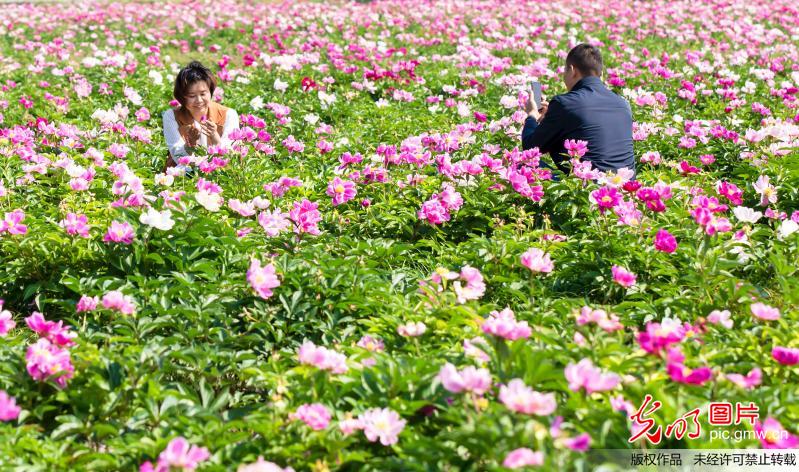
(198, 121)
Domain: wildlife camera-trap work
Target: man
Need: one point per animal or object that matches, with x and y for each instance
(589, 112)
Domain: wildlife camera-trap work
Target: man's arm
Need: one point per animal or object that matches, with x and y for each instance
(544, 135)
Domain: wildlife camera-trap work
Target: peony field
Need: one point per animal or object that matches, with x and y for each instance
(372, 273)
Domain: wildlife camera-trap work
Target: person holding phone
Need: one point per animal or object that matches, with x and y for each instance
(589, 111)
(199, 120)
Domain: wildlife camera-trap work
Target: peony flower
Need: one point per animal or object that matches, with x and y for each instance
(383, 424)
(342, 191)
(520, 398)
(119, 232)
(503, 324)
(157, 219)
(262, 279)
(180, 455)
(273, 222)
(537, 261)
(474, 288)
(785, 355)
(720, 317)
(665, 242)
(115, 300)
(659, 336)
(748, 381)
(306, 217)
(412, 329)
(315, 415)
(773, 436)
(579, 443)
(576, 148)
(75, 224)
(680, 373)
(322, 358)
(523, 457)
(605, 198)
(765, 312)
(54, 332)
(8, 407)
(622, 276)
(585, 375)
(6, 320)
(767, 192)
(262, 466)
(469, 379)
(45, 360)
(607, 322)
(746, 214)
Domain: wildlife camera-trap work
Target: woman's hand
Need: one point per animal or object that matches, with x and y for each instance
(208, 128)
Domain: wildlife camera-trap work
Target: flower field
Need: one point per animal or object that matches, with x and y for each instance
(374, 275)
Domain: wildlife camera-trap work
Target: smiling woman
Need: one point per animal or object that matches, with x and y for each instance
(198, 121)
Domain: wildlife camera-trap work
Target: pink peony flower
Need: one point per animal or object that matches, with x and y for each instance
(274, 222)
(665, 242)
(523, 457)
(576, 148)
(382, 424)
(180, 455)
(45, 360)
(119, 232)
(322, 358)
(412, 329)
(342, 191)
(748, 381)
(659, 336)
(6, 320)
(474, 288)
(315, 415)
(765, 312)
(785, 355)
(116, 300)
(434, 212)
(585, 375)
(607, 322)
(721, 317)
(262, 466)
(8, 407)
(262, 279)
(469, 379)
(371, 344)
(537, 261)
(773, 436)
(13, 223)
(520, 398)
(75, 224)
(503, 324)
(622, 276)
(306, 217)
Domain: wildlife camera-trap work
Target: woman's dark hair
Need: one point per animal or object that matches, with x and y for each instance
(194, 72)
(586, 59)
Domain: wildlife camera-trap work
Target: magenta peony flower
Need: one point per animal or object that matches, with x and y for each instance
(262, 279)
(680, 373)
(773, 436)
(585, 375)
(87, 303)
(523, 457)
(660, 335)
(665, 242)
(180, 455)
(469, 379)
(8, 407)
(503, 324)
(518, 397)
(382, 424)
(607, 322)
(748, 381)
(315, 415)
(579, 443)
(605, 198)
(622, 276)
(342, 191)
(785, 355)
(765, 312)
(537, 261)
(434, 212)
(54, 332)
(119, 232)
(13, 223)
(474, 288)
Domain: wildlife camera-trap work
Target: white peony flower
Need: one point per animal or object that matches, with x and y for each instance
(257, 103)
(746, 214)
(157, 219)
(210, 201)
(281, 86)
(787, 228)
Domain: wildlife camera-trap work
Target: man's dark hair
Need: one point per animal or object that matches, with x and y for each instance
(586, 59)
(194, 72)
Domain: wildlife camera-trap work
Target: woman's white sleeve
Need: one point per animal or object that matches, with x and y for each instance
(174, 141)
(231, 123)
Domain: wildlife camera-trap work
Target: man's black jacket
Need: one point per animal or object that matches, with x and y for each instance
(589, 112)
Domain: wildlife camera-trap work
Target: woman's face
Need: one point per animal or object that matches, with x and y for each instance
(198, 96)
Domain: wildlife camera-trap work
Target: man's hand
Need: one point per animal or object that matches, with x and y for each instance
(542, 111)
(208, 128)
(537, 114)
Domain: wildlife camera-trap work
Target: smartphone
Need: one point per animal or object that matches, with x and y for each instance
(536, 88)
